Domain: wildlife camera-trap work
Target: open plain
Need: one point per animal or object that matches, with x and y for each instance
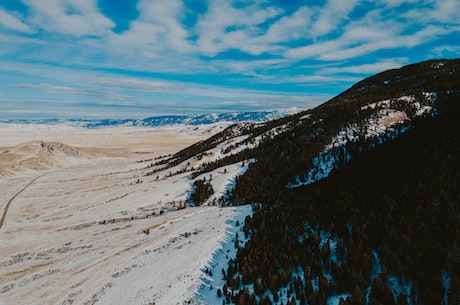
(82, 223)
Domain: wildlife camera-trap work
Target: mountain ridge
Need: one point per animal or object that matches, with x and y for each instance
(165, 120)
(333, 235)
(311, 240)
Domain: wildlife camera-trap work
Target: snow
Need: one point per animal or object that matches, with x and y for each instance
(376, 271)
(171, 270)
(223, 179)
(350, 133)
(446, 280)
(333, 247)
(384, 103)
(385, 121)
(233, 145)
(407, 99)
(305, 117)
(213, 279)
(323, 165)
(98, 231)
(437, 65)
(422, 110)
(335, 300)
(399, 287)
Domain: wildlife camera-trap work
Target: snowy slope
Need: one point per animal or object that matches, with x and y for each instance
(104, 231)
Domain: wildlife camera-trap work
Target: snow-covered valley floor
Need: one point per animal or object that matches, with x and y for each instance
(96, 230)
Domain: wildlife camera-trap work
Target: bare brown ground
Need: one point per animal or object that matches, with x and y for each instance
(46, 149)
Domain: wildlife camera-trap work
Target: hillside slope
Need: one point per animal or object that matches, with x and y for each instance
(355, 201)
(313, 143)
(383, 228)
(39, 155)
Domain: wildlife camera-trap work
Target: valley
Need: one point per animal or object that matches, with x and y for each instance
(82, 223)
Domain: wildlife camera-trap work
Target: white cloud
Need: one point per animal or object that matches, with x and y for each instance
(15, 23)
(135, 84)
(249, 67)
(180, 88)
(140, 35)
(72, 17)
(166, 16)
(448, 11)
(331, 15)
(370, 33)
(58, 89)
(445, 51)
(442, 11)
(10, 40)
(155, 39)
(72, 91)
(314, 50)
(360, 36)
(290, 27)
(396, 3)
(367, 68)
(225, 27)
(347, 52)
(318, 79)
(26, 86)
(286, 29)
(365, 32)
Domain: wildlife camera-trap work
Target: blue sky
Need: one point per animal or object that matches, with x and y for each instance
(134, 59)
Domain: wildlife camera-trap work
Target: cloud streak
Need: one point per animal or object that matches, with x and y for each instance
(13, 22)
(71, 17)
(214, 53)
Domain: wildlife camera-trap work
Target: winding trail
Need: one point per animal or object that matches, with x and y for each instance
(5, 210)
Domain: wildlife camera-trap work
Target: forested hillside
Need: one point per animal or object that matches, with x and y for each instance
(357, 200)
(368, 114)
(384, 229)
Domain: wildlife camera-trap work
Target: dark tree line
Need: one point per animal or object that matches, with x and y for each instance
(202, 190)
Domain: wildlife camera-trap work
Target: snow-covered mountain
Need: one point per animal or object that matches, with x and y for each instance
(308, 145)
(309, 243)
(166, 120)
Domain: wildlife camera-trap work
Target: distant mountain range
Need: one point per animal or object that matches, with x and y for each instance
(165, 120)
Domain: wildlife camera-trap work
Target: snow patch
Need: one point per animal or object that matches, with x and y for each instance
(446, 280)
(437, 65)
(223, 179)
(335, 300)
(212, 278)
(399, 287)
(376, 271)
(387, 122)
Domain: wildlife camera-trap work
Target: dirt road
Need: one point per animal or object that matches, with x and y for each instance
(5, 210)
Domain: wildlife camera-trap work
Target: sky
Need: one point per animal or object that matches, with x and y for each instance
(141, 58)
